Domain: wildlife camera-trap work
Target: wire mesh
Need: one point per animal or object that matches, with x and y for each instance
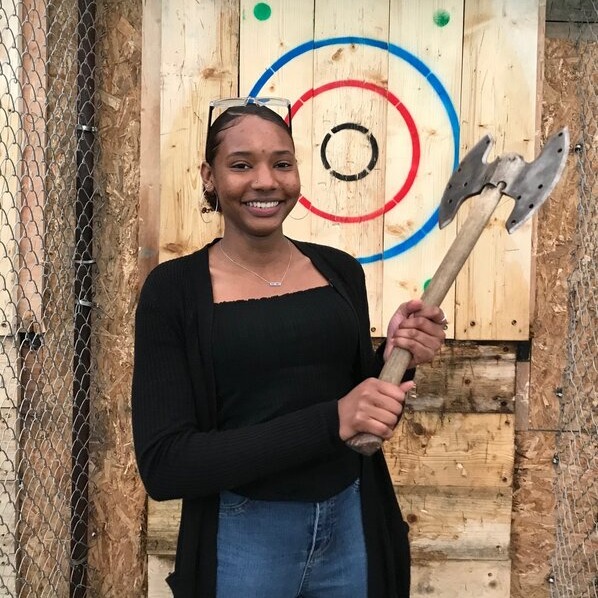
(45, 248)
(576, 559)
(40, 157)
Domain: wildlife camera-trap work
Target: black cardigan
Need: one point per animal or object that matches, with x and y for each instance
(180, 454)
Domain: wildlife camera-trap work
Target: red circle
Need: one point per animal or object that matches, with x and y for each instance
(312, 93)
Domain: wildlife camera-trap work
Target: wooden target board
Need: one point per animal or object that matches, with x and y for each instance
(387, 97)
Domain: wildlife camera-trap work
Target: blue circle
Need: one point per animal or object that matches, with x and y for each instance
(416, 63)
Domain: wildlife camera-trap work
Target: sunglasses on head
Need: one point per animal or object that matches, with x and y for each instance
(271, 103)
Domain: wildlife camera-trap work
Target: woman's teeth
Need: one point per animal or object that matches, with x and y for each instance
(264, 205)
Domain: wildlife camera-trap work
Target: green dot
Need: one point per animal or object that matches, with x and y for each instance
(262, 11)
(441, 17)
(427, 283)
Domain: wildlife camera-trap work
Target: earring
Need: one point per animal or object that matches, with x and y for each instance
(207, 208)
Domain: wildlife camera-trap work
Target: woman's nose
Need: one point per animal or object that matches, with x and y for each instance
(264, 178)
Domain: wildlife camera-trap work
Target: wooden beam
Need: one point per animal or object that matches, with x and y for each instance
(452, 449)
(498, 97)
(467, 377)
(460, 579)
(198, 64)
(149, 158)
(31, 234)
(452, 523)
(571, 11)
(9, 438)
(432, 32)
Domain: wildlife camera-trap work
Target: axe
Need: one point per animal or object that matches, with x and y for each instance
(529, 184)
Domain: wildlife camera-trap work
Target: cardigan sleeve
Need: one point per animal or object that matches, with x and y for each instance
(176, 459)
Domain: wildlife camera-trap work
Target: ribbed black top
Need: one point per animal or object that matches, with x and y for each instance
(275, 356)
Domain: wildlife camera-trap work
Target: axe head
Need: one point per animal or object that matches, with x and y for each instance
(529, 187)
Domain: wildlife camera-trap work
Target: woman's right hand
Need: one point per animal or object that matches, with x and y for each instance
(374, 406)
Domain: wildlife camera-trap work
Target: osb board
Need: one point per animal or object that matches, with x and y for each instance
(576, 559)
(556, 227)
(451, 523)
(467, 377)
(452, 449)
(117, 561)
(199, 64)
(458, 579)
(533, 535)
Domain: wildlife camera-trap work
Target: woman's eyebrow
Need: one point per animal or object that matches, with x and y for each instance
(243, 153)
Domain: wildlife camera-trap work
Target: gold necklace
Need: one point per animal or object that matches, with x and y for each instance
(272, 283)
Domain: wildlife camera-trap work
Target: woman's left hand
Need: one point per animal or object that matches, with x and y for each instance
(419, 329)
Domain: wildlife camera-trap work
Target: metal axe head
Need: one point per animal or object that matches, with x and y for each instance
(529, 185)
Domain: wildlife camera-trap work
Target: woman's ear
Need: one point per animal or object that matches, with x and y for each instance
(206, 176)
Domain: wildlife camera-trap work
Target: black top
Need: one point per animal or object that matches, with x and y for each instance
(276, 355)
(181, 453)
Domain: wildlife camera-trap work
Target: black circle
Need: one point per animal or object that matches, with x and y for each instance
(367, 169)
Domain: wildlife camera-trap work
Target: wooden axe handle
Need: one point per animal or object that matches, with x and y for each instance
(396, 365)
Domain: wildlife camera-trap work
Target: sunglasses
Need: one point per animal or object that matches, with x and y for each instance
(271, 103)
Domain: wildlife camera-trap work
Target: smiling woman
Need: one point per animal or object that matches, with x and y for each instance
(253, 367)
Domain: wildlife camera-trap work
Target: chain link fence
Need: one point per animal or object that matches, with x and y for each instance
(47, 71)
(46, 192)
(576, 559)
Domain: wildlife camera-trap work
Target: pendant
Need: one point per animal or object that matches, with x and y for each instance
(274, 283)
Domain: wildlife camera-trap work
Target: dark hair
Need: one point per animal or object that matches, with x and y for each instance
(226, 120)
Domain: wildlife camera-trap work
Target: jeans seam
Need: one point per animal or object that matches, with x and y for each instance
(312, 548)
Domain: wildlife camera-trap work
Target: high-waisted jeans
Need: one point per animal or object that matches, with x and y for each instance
(283, 549)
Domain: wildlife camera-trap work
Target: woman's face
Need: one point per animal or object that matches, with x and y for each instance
(255, 176)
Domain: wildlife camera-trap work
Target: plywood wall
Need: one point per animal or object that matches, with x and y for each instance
(422, 84)
(423, 81)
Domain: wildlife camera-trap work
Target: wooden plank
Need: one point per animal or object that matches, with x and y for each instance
(499, 97)
(431, 32)
(467, 377)
(162, 526)
(446, 522)
(446, 579)
(34, 83)
(568, 11)
(198, 65)
(359, 71)
(458, 579)
(149, 141)
(158, 568)
(10, 161)
(452, 449)
(289, 26)
(8, 525)
(452, 523)
(9, 434)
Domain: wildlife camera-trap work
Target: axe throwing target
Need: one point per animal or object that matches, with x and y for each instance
(342, 173)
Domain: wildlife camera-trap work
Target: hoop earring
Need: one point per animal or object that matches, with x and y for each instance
(208, 209)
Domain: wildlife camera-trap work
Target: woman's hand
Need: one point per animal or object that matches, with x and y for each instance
(419, 329)
(374, 406)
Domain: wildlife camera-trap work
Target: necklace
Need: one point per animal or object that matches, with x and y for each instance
(272, 283)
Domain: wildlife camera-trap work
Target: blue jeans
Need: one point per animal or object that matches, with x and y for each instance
(284, 549)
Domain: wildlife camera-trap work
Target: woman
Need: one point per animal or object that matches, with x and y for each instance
(253, 366)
